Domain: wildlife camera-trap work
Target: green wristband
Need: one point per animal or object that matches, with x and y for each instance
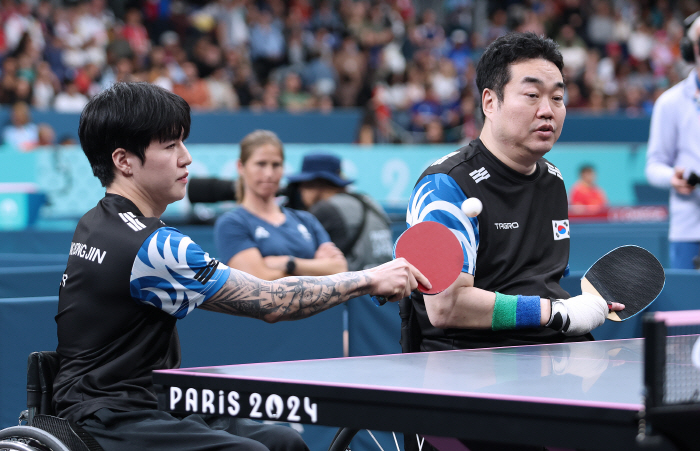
(504, 312)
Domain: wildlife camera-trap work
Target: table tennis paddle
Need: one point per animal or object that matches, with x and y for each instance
(630, 275)
(434, 250)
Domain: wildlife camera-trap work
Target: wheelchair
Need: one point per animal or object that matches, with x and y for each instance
(39, 429)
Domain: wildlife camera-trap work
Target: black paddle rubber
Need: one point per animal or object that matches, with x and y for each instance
(630, 275)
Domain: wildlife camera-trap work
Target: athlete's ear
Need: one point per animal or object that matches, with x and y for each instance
(489, 102)
(122, 161)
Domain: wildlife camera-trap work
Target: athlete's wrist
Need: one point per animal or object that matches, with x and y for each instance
(546, 309)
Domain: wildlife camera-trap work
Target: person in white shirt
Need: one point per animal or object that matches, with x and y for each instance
(673, 157)
(70, 100)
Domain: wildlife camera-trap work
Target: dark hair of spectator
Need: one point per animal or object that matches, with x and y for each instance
(586, 168)
(493, 69)
(130, 116)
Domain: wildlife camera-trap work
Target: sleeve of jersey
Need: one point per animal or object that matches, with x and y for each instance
(232, 235)
(174, 274)
(437, 197)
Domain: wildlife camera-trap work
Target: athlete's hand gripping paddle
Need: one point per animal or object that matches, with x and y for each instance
(434, 250)
(630, 275)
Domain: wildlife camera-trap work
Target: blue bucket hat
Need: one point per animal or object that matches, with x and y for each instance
(320, 166)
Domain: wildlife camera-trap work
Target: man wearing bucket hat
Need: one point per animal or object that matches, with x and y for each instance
(355, 222)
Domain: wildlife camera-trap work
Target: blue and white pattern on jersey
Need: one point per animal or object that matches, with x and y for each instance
(437, 197)
(174, 274)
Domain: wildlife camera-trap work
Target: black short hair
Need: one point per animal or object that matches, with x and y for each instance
(586, 168)
(493, 69)
(129, 116)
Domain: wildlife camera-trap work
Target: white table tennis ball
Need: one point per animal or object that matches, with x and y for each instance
(472, 207)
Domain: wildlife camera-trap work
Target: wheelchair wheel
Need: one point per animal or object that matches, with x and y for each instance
(369, 442)
(27, 438)
(342, 439)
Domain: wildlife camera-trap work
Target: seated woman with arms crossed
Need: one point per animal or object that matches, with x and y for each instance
(262, 238)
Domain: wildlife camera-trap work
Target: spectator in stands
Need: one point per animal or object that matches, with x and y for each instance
(23, 91)
(21, 134)
(574, 50)
(206, 56)
(193, 89)
(629, 44)
(319, 75)
(47, 135)
(586, 197)
(121, 71)
(46, 85)
(86, 79)
(434, 132)
(269, 99)
(324, 103)
(156, 71)
(267, 47)
(426, 110)
(357, 224)
(293, 98)
(232, 29)
(244, 83)
(445, 82)
(8, 82)
(468, 118)
(221, 91)
(351, 65)
(673, 155)
(70, 100)
(84, 40)
(136, 34)
(431, 33)
(262, 238)
(20, 22)
(460, 53)
(326, 17)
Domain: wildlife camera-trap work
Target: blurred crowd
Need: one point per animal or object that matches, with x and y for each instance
(408, 63)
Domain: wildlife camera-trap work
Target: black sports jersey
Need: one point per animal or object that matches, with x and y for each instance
(127, 280)
(519, 244)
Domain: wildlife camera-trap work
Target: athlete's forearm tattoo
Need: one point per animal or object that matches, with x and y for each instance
(285, 299)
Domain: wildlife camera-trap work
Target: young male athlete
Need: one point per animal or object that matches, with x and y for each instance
(129, 278)
(517, 249)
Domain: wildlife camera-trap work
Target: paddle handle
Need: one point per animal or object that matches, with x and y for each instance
(587, 287)
(379, 300)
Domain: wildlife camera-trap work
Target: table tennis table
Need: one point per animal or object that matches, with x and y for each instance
(586, 395)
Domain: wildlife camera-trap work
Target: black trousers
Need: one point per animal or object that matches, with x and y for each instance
(154, 430)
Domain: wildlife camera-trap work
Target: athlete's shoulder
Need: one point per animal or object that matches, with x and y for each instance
(549, 170)
(447, 163)
(237, 215)
(117, 219)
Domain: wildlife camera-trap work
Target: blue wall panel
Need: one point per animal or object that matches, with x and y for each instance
(341, 126)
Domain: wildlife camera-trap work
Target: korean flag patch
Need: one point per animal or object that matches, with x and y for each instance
(561, 229)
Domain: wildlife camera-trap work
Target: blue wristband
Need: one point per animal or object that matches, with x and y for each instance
(528, 312)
